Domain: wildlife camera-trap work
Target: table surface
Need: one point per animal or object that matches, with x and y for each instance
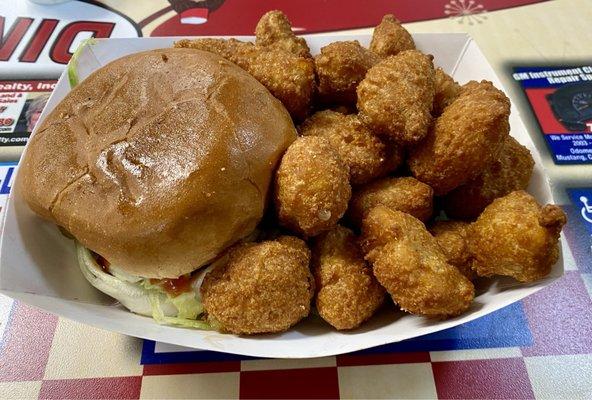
(538, 348)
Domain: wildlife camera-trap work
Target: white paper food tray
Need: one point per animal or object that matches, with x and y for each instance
(38, 265)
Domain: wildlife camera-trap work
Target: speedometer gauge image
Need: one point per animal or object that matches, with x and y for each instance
(572, 105)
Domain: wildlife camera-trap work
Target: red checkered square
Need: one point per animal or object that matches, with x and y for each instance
(306, 383)
(558, 317)
(504, 378)
(192, 368)
(95, 388)
(27, 342)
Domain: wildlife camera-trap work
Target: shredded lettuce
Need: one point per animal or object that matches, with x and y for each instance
(130, 295)
(162, 319)
(189, 307)
(143, 297)
(124, 276)
(146, 284)
(73, 64)
(187, 304)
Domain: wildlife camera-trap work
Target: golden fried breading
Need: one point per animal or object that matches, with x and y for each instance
(515, 236)
(367, 156)
(405, 194)
(274, 30)
(390, 38)
(290, 78)
(347, 292)
(447, 90)
(395, 98)
(379, 228)
(409, 263)
(340, 67)
(225, 48)
(311, 186)
(464, 140)
(510, 172)
(261, 287)
(452, 237)
(342, 109)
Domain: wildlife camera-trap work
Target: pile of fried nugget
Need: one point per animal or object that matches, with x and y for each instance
(387, 143)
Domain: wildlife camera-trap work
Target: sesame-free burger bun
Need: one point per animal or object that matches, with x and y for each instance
(159, 160)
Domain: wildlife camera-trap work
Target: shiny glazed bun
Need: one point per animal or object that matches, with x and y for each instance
(159, 160)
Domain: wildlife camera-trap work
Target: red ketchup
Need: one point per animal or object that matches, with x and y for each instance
(175, 286)
(104, 264)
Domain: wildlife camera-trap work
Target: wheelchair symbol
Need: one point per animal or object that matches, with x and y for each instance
(586, 209)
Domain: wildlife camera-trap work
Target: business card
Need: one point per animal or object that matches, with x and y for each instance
(561, 100)
(21, 104)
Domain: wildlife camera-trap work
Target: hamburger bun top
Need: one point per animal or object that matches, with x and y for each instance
(159, 160)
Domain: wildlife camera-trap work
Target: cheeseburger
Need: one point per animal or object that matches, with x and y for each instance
(155, 164)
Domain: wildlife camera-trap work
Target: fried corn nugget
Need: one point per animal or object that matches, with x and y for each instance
(464, 140)
(311, 186)
(290, 78)
(405, 194)
(447, 90)
(395, 98)
(367, 156)
(515, 236)
(261, 287)
(347, 292)
(274, 30)
(409, 263)
(225, 48)
(340, 67)
(452, 237)
(345, 110)
(390, 38)
(510, 172)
